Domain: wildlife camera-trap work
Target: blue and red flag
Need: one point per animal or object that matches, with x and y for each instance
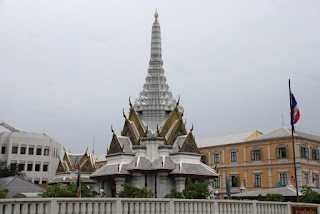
(295, 113)
(79, 183)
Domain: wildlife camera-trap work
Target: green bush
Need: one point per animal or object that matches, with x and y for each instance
(3, 193)
(68, 191)
(309, 196)
(174, 194)
(130, 191)
(274, 197)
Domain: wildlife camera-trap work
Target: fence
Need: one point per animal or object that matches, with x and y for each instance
(128, 206)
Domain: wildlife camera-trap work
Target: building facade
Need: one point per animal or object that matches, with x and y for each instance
(257, 162)
(154, 149)
(35, 153)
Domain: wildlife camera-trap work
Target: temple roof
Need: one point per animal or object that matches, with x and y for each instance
(155, 100)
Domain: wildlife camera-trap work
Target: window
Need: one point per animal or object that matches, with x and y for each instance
(45, 168)
(29, 168)
(14, 150)
(234, 180)
(216, 158)
(315, 154)
(36, 182)
(3, 150)
(44, 182)
(257, 180)
(46, 152)
(306, 178)
(204, 158)
(38, 151)
(316, 180)
(23, 150)
(283, 179)
(21, 166)
(256, 154)
(217, 182)
(37, 168)
(281, 152)
(233, 156)
(31, 151)
(304, 152)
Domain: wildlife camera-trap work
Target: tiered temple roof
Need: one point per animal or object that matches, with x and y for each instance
(155, 118)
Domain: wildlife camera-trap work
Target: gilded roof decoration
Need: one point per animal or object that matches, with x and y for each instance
(173, 116)
(178, 130)
(115, 146)
(129, 132)
(60, 168)
(190, 145)
(135, 119)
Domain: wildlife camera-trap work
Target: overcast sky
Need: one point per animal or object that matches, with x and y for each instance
(67, 68)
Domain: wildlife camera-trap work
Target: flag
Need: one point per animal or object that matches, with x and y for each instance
(278, 184)
(313, 179)
(245, 183)
(228, 188)
(79, 183)
(292, 178)
(295, 113)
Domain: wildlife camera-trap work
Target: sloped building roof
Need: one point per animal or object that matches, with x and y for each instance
(223, 140)
(17, 185)
(287, 191)
(284, 132)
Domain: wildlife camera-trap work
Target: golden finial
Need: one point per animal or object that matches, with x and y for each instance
(156, 15)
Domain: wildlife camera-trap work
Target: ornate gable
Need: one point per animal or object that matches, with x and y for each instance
(173, 116)
(135, 119)
(190, 145)
(61, 168)
(178, 130)
(128, 132)
(115, 146)
(67, 160)
(87, 167)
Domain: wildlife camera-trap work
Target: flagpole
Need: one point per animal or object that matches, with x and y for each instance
(294, 154)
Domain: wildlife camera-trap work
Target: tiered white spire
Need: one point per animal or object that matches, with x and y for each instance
(155, 100)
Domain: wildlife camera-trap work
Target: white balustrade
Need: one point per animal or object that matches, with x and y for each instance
(130, 206)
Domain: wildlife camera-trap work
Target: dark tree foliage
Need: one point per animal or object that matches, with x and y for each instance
(130, 191)
(10, 170)
(309, 196)
(68, 191)
(196, 190)
(271, 197)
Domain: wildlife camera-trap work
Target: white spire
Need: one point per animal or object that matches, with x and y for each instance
(155, 100)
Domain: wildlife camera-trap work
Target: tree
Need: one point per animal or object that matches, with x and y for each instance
(68, 191)
(197, 190)
(274, 197)
(309, 196)
(10, 170)
(174, 194)
(130, 191)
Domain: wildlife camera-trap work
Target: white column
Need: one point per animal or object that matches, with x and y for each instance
(137, 179)
(119, 182)
(223, 161)
(270, 177)
(180, 183)
(269, 153)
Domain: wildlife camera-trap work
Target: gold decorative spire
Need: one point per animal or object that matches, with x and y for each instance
(156, 15)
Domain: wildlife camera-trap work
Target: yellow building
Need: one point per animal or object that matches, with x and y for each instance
(253, 161)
